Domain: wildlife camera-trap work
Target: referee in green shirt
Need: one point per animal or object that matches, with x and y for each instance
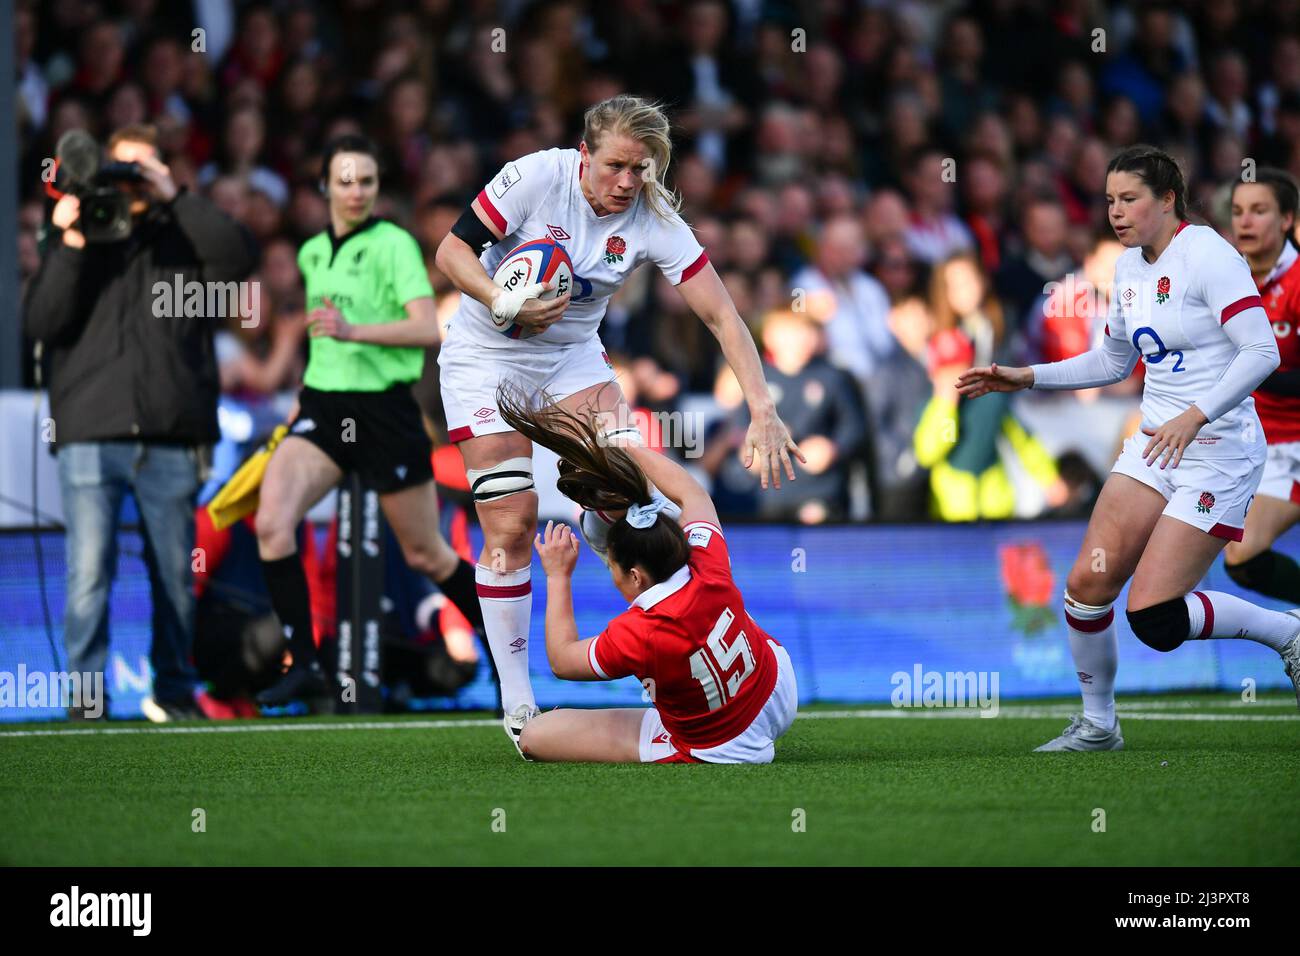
(371, 317)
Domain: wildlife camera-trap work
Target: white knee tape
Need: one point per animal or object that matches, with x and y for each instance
(627, 435)
(1085, 611)
(507, 478)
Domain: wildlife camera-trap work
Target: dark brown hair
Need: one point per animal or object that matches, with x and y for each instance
(1157, 169)
(135, 133)
(599, 477)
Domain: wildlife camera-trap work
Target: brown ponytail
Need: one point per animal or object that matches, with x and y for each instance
(599, 477)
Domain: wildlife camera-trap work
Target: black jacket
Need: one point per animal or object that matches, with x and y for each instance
(117, 369)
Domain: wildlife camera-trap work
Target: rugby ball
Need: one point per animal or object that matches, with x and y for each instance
(538, 260)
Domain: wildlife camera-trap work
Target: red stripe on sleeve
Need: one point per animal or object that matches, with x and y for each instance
(498, 220)
(1241, 305)
(695, 266)
(459, 434)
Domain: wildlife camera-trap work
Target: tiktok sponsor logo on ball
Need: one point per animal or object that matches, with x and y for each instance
(975, 690)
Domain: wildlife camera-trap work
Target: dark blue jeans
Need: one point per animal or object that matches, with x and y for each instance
(164, 480)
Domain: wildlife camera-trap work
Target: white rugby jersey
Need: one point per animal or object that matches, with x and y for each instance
(539, 196)
(1195, 317)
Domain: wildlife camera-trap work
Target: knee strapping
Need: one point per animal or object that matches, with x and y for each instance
(627, 435)
(1088, 617)
(1162, 627)
(506, 478)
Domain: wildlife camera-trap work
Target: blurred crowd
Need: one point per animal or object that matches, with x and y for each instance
(891, 192)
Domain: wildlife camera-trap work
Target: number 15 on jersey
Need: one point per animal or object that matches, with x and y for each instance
(710, 664)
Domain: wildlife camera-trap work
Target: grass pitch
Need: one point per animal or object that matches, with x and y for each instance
(1206, 780)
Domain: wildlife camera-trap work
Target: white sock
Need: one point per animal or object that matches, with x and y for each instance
(507, 602)
(1214, 614)
(1094, 645)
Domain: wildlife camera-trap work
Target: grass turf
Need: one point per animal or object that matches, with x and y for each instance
(900, 791)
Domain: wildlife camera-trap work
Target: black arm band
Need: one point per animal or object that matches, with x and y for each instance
(471, 229)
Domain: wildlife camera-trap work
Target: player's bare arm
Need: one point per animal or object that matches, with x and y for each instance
(557, 547)
(677, 484)
(768, 438)
(419, 329)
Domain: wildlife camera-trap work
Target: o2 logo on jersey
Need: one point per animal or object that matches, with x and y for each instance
(1158, 356)
(581, 290)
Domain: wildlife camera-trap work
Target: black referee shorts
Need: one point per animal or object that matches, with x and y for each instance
(377, 435)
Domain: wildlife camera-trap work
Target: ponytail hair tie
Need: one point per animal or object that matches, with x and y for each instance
(643, 516)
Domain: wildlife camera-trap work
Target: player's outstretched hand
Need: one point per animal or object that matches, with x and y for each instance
(1173, 437)
(558, 548)
(768, 441)
(975, 382)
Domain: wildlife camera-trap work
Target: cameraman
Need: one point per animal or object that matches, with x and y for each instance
(134, 401)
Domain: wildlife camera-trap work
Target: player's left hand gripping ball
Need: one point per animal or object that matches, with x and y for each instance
(537, 269)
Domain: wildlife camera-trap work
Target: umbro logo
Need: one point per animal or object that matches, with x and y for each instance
(483, 414)
(559, 233)
(518, 644)
(1084, 678)
(663, 738)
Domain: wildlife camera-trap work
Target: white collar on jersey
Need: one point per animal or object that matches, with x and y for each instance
(657, 592)
(1283, 263)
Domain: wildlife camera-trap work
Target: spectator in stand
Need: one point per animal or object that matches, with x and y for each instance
(1044, 259)
(970, 450)
(962, 298)
(825, 413)
(896, 270)
(984, 189)
(242, 147)
(1226, 106)
(895, 397)
(934, 233)
(850, 302)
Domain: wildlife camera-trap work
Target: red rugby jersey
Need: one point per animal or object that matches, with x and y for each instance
(1280, 293)
(711, 664)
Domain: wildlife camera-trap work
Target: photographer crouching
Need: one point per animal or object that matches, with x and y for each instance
(133, 385)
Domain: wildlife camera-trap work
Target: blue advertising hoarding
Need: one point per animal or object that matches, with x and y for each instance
(853, 604)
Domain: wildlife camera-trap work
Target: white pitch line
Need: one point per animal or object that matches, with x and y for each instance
(1033, 713)
(234, 727)
(934, 713)
(1189, 704)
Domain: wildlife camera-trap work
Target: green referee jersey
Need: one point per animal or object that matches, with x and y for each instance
(370, 274)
